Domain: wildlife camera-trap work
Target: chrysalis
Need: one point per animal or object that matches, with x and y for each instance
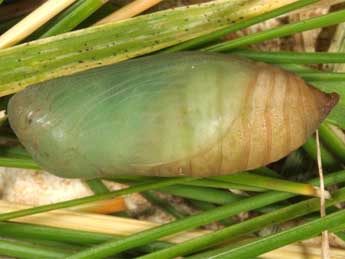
(188, 113)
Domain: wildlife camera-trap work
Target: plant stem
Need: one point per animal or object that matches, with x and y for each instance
(142, 238)
(65, 204)
(271, 183)
(262, 245)
(214, 182)
(281, 31)
(130, 10)
(88, 48)
(162, 204)
(288, 57)
(322, 76)
(33, 21)
(199, 41)
(76, 237)
(73, 16)
(18, 163)
(201, 193)
(332, 141)
(328, 160)
(22, 250)
(246, 227)
(97, 186)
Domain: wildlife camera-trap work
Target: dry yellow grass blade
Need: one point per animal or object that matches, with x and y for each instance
(68, 219)
(32, 22)
(18, 9)
(91, 222)
(302, 251)
(130, 10)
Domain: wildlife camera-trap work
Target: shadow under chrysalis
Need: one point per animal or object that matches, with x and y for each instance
(188, 113)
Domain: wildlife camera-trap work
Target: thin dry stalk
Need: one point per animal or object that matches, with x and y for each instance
(130, 10)
(325, 242)
(65, 218)
(18, 9)
(32, 22)
(301, 251)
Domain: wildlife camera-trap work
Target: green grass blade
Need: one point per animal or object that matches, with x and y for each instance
(65, 204)
(97, 186)
(263, 245)
(145, 237)
(322, 76)
(201, 193)
(139, 239)
(100, 45)
(246, 227)
(271, 183)
(281, 31)
(164, 205)
(289, 57)
(23, 250)
(214, 182)
(73, 16)
(328, 160)
(332, 141)
(197, 42)
(76, 237)
(340, 235)
(25, 163)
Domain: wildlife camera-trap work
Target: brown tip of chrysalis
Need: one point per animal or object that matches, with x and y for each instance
(330, 100)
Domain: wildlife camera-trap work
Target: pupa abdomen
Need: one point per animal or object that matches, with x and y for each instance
(188, 113)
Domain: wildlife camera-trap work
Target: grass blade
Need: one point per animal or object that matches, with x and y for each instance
(75, 202)
(142, 238)
(33, 21)
(164, 205)
(332, 141)
(100, 45)
(201, 193)
(197, 42)
(266, 244)
(281, 31)
(130, 10)
(22, 250)
(289, 57)
(25, 163)
(328, 160)
(97, 186)
(73, 16)
(271, 183)
(77, 237)
(322, 76)
(246, 227)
